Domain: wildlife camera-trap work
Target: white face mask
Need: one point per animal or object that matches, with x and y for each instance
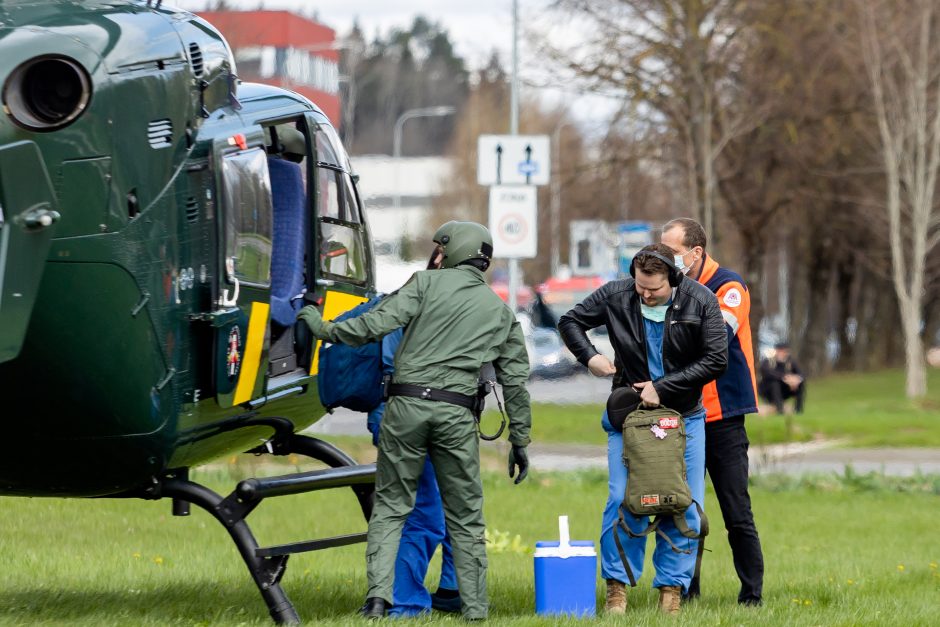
(680, 262)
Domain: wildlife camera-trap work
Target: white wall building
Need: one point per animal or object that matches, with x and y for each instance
(398, 195)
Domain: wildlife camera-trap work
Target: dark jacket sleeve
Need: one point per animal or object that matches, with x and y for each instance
(588, 314)
(794, 367)
(713, 360)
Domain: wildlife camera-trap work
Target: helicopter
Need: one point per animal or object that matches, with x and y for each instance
(161, 223)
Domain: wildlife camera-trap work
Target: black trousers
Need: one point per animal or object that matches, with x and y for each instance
(777, 391)
(726, 447)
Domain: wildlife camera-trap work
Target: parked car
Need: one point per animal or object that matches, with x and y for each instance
(548, 357)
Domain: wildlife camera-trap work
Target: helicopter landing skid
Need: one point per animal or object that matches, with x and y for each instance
(268, 564)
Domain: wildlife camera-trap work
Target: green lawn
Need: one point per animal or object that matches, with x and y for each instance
(836, 554)
(861, 409)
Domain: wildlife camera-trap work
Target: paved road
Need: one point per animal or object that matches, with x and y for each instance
(791, 459)
(801, 458)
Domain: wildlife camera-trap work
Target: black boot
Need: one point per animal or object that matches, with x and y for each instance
(445, 600)
(374, 608)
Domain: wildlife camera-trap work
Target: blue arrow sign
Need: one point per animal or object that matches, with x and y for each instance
(528, 168)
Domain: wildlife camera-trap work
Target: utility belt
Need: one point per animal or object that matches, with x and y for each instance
(474, 403)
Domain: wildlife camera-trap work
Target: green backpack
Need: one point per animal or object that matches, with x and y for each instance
(654, 454)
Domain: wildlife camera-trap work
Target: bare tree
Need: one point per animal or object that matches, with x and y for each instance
(673, 61)
(902, 57)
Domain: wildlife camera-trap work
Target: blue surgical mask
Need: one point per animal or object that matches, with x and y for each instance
(680, 262)
(654, 313)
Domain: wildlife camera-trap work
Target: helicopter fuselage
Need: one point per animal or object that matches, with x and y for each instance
(156, 237)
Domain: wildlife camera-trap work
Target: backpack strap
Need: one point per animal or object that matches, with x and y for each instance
(698, 559)
(683, 526)
(622, 524)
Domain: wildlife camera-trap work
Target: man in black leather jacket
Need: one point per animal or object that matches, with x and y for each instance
(669, 340)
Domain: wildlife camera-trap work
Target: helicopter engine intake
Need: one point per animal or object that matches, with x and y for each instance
(47, 93)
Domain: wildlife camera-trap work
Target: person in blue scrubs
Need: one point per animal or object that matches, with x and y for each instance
(669, 338)
(672, 569)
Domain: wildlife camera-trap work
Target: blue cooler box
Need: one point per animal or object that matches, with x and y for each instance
(565, 578)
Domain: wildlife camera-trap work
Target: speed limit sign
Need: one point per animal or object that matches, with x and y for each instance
(513, 213)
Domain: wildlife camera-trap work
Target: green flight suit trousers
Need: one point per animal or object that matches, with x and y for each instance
(411, 429)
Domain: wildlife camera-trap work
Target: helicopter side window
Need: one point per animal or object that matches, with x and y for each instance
(341, 237)
(249, 223)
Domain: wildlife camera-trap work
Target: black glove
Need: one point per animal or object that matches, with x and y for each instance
(518, 457)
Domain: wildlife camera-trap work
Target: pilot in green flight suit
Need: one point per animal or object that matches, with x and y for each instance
(454, 324)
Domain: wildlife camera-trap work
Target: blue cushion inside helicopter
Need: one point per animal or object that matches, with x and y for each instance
(290, 229)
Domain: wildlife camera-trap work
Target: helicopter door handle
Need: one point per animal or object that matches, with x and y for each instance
(225, 302)
(38, 217)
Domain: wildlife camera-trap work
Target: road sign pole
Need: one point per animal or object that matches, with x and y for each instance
(513, 282)
(514, 130)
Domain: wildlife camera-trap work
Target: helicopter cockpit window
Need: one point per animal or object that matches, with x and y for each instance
(248, 215)
(327, 152)
(337, 196)
(341, 237)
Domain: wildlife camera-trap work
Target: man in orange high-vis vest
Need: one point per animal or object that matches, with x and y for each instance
(727, 400)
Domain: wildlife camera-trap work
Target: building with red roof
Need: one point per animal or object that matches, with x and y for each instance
(284, 49)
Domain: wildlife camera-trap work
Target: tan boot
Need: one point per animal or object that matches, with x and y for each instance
(669, 599)
(616, 597)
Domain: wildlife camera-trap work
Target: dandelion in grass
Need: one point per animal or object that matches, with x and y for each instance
(136, 556)
(933, 566)
(851, 582)
(158, 560)
(501, 542)
(900, 568)
(807, 602)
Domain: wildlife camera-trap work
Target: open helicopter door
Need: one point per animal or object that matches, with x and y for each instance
(27, 215)
(343, 265)
(240, 324)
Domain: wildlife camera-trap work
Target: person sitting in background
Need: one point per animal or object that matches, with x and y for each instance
(781, 378)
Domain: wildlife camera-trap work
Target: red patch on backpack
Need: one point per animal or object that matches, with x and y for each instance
(669, 423)
(649, 499)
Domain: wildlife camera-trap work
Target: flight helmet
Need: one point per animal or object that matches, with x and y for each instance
(463, 241)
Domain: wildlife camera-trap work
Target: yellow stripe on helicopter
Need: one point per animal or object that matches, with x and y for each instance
(254, 346)
(336, 303)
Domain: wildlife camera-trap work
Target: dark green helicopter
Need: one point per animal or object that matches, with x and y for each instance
(160, 225)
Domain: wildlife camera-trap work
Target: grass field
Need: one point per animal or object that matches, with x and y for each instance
(837, 553)
(860, 409)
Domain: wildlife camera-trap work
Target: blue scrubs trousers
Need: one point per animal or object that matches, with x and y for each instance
(672, 569)
(424, 530)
